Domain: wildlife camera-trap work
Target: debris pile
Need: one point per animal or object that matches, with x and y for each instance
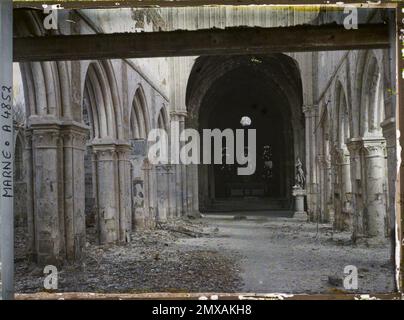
(151, 262)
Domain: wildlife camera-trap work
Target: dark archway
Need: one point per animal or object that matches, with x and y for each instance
(266, 89)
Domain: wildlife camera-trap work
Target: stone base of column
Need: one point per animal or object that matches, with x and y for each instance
(194, 215)
(299, 195)
(301, 216)
(143, 223)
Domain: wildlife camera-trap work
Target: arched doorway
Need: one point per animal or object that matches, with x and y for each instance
(265, 90)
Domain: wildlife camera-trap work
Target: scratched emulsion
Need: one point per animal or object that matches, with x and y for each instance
(319, 197)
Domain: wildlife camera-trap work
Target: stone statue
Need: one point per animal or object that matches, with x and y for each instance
(300, 178)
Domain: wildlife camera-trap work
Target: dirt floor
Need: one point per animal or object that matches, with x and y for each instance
(221, 253)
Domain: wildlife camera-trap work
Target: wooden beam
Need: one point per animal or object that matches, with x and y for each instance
(239, 40)
(81, 4)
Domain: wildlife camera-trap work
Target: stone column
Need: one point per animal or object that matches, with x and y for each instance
(181, 177)
(344, 190)
(354, 146)
(74, 147)
(375, 174)
(150, 195)
(193, 179)
(107, 192)
(321, 196)
(55, 190)
(310, 112)
(389, 133)
(170, 176)
(325, 213)
(124, 196)
(47, 192)
(162, 192)
(299, 195)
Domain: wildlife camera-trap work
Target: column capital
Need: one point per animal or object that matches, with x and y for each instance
(123, 147)
(48, 137)
(324, 161)
(74, 135)
(354, 145)
(374, 148)
(165, 168)
(341, 153)
(310, 110)
(103, 148)
(178, 114)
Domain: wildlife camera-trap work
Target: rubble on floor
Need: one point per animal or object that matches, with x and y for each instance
(151, 262)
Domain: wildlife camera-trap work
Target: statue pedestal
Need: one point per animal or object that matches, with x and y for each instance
(299, 195)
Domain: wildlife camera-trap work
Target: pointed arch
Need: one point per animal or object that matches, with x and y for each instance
(101, 101)
(162, 119)
(370, 94)
(139, 116)
(342, 114)
(46, 84)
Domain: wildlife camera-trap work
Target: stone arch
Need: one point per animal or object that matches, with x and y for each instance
(279, 71)
(341, 161)
(101, 99)
(369, 85)
(163, 119)
(107, 165)
(367, 148)
(342, 114)
(139, 116)
(143, 175)
(54, 147)
(46, 84)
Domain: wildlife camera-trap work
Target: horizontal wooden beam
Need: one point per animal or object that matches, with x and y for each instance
(81, 4)
(238, 40)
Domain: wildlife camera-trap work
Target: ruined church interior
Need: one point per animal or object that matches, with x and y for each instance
(89, 201)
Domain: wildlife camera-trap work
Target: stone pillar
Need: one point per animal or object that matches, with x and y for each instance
(113, 190)
(107, 192)
(346, 189)
(342, 204)
(321, 196)
(124, 197)
(354, 146)
(325, 208)
(193, 179)
(74, 147)
(299, 195)
(47, 192)
(55, 190)
(150, 195)
(170, 174)
(310, 112)
(375, 174)
(138, 194)
(181, 177)
(389, 133)
(162, 192)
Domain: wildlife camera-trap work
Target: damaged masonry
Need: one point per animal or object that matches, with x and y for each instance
(89, 200)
